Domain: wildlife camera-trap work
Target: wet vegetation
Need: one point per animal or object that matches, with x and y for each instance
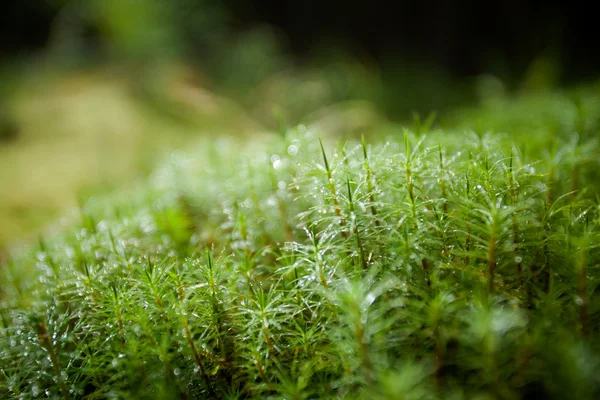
(419, 263)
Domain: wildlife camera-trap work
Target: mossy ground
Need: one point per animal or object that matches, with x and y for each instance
(418, 263)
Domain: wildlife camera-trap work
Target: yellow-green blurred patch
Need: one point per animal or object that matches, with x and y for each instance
(83, 133)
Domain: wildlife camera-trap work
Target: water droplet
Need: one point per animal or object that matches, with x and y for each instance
(292, 150)
(370, 299)
(272, 201)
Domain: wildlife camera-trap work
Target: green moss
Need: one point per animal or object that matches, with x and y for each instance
(420, 266)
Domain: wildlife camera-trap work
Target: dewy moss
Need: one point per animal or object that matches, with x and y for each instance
(420, 265)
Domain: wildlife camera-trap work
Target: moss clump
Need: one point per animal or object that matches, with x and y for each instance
(418, 265)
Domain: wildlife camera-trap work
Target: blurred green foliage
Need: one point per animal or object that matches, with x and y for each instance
(141, 31)
(143, 77)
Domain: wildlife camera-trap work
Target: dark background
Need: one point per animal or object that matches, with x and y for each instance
(465, 38)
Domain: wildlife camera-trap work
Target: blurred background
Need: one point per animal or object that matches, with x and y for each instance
(94, 93)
